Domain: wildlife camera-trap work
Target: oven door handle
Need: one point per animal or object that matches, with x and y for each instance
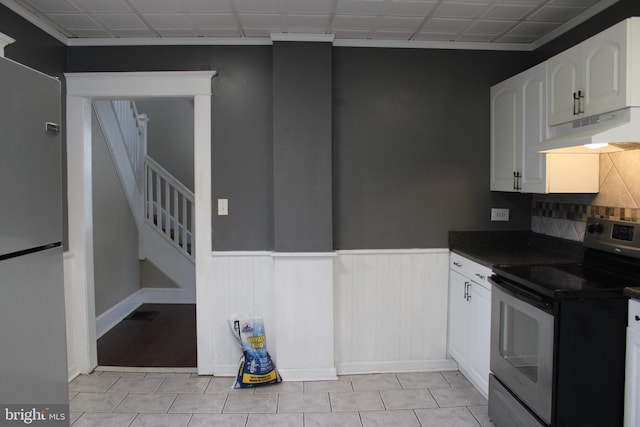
(522, 294)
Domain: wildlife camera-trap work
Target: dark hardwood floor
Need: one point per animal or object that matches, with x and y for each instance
(168, 340)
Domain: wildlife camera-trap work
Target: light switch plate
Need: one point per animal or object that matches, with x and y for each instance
(223, 206)
(498, 214)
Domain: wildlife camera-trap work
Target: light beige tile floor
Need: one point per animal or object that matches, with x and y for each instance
(139, 399)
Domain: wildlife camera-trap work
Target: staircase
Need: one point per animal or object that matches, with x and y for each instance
(162, 206)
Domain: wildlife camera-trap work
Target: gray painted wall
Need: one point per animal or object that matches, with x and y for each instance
(423, 172)
(115, 235)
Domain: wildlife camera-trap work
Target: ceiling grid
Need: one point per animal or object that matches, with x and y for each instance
(490, 22)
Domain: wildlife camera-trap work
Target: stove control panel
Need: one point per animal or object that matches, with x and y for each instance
(613, 236)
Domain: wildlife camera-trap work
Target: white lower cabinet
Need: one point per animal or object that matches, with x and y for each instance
(632, 380)
(470, 320)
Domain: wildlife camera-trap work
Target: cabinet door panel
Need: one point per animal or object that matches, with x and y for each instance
(604, 71)
(563, 82)
(480, 328)
(458, 318)
(534, 130)
(504, 136)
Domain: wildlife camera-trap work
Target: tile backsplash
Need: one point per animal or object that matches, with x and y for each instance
(564, 215)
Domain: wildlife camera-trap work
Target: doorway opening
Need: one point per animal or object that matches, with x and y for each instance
(143, 233)
(82, 88)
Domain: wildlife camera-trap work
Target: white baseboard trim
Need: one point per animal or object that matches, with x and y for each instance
(72, 372)
(168, 296)
(115, 314)
(396, 366)
(308, 374)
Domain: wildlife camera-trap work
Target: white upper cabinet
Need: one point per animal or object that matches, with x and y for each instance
(518, 126)
(593, 77)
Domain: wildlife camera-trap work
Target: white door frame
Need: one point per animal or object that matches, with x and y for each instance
(81, 89)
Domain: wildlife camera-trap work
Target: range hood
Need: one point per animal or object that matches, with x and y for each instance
(605, 133)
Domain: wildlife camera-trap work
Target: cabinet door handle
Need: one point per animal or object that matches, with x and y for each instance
(516, 180)
(580, 102)
(466, 290)
(482, 277)
(457, 264)
(576, 106)
(469, 292)
(637, 318)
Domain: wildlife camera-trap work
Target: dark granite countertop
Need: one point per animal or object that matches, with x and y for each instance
(632, 292)
(500, 248)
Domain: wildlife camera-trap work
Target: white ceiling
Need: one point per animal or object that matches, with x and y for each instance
(523, 23)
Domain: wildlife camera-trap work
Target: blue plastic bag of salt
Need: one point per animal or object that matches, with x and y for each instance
(256, 365)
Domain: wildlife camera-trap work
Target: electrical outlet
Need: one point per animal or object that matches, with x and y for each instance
(223, 206)
(498, 214)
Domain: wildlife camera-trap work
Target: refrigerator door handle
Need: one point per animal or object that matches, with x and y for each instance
(52, 127)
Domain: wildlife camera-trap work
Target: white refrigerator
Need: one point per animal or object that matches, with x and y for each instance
(33, 360)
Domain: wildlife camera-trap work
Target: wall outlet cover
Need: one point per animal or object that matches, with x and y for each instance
(498, 214)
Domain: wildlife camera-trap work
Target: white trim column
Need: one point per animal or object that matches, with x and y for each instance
(80, 218)
(303, 284)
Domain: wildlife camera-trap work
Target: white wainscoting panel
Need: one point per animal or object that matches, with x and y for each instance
(241, 283)
(304, 316)
(391, 310)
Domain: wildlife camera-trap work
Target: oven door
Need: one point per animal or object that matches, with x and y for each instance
(522, 328)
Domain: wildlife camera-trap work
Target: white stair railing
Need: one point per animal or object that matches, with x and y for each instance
(133, 127)
(169, 207)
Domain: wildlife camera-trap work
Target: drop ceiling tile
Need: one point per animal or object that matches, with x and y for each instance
(206, 6)
(509, 38)
(102, 6)
(258, 6)
(322, 7)
(360, 7)
(156, 6)
(77, 21)
(508, 11)
(490, 27)
(397, 23)
(263, 20)
(353, 22)
(460, 10)
(311, 22)
(214, 20)
(120, 21)
(173, 21)
(437, 25)
(554, 14)
(53, 6)
(408, 8)
(535, 29)
(477, 38)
